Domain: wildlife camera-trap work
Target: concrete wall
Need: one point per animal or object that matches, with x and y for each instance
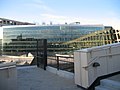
(8, 76)
(61, 73)
(106, 56)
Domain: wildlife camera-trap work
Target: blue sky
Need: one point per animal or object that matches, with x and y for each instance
(105, 12)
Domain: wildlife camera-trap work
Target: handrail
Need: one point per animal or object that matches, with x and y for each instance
(62, 57)
(96, 58)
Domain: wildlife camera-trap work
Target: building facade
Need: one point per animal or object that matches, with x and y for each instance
(6, 22)
(97, 38)
(21, 39)
(118, 35)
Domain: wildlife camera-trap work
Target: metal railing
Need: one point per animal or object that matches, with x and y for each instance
(61, 62)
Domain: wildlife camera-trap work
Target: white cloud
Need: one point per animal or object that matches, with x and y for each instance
(115, 22)
(38, 4)
(60, 19)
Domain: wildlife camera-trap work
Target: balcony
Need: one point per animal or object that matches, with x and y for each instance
(90, 65)
(33, 78)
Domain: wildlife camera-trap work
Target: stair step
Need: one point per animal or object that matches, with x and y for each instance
(104, 88)
(101, 88)
(110, 83)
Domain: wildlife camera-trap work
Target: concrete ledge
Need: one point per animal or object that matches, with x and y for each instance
(24, 67)
(61, 73)
(8, 76)
(7, 64)
(51, 69)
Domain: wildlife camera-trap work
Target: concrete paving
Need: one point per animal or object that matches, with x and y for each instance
(34, 78)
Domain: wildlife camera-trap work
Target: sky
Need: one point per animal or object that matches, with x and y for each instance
(106, 12)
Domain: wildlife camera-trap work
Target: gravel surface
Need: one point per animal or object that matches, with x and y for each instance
(37, 79)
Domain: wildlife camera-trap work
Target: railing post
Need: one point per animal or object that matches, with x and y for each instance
(57, 62)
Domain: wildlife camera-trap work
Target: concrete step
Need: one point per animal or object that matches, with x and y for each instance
(110, 84)
(100, 88)
(104, 88)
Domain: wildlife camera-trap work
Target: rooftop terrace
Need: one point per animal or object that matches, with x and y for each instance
(33, 78)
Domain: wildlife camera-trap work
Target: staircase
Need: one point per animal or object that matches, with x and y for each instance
(107, 84)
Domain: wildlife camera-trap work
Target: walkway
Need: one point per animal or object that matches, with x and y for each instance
(37, 79)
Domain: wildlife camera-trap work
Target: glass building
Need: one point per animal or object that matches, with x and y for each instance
(22, 39)
(97, 38)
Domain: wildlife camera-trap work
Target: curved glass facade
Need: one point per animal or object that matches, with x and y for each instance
(23, 38)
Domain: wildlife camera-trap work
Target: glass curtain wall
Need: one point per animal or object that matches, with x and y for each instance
(18, 40)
